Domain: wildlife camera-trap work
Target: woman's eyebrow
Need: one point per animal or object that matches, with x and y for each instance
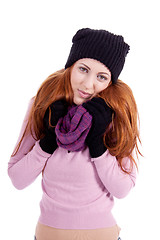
(85, 66)
(104, 73)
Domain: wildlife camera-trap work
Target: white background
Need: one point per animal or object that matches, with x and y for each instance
(35, 42)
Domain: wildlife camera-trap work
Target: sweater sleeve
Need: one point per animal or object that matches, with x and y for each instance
(26, 164)
(117, 182)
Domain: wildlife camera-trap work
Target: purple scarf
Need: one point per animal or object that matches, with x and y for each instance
(72, 129)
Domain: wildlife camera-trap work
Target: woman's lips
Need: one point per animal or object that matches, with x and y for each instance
(84, 94)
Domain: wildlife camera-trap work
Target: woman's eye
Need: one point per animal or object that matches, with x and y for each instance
(101, 77)
(82, 69)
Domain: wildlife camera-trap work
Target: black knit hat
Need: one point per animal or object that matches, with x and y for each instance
(106, 47)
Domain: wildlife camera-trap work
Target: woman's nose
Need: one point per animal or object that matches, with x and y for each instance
(89, 82)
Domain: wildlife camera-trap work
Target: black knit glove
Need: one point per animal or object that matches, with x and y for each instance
(58, 109)
(101, 116)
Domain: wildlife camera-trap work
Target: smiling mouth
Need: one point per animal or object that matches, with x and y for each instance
(84, 94)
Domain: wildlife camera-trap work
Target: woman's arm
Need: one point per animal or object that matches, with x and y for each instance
(26, 164)
(114, 179)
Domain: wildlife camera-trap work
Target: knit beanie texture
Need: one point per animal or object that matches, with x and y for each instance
(101, 45)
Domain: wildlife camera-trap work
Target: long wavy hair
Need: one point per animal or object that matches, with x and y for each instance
(122, 134)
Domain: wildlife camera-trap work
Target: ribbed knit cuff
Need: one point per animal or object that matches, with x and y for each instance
(48, 144)
(96, 147)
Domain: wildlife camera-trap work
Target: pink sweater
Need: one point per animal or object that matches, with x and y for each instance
(78, 191)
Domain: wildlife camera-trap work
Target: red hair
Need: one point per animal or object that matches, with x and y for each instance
(121, 135)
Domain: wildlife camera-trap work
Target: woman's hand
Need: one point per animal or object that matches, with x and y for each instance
(101, 117)
(56, 110)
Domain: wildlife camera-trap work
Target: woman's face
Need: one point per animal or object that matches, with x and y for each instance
(88, 78)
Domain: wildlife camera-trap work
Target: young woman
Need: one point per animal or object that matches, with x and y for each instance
(80, 132)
